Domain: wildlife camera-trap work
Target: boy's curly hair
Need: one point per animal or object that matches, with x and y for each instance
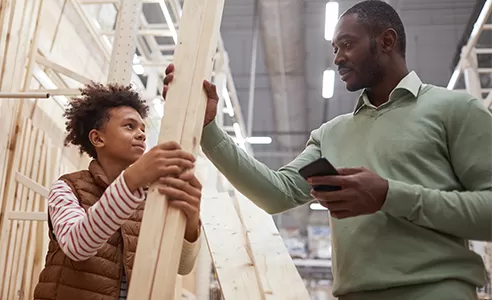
(91, 111)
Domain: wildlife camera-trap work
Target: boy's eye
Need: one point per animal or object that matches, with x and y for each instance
(129, 126)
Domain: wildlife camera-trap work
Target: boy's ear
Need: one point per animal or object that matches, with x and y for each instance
(96, 138)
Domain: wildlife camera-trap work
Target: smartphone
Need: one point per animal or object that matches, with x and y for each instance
(320, 167)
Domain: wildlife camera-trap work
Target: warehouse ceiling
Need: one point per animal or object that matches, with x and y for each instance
(291, 55)
(287, 64)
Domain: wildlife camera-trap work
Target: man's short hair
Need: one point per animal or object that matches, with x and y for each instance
(379, 16)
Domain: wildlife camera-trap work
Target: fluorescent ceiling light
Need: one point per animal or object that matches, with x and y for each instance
(331, 18)
(328, 83)
(317, 206)
(259, 140)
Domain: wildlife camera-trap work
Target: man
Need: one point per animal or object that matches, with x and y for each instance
(415, 171)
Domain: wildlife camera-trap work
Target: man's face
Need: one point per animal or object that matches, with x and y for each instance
(356, 54)
(123, 135)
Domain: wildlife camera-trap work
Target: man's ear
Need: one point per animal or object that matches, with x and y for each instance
(389, 39)
(96, 138)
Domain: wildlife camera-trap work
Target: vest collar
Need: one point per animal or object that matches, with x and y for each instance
(98, 173)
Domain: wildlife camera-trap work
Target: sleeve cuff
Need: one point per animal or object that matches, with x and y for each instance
(137, 196)
(212, 135)
(401, 199)
(189, 254)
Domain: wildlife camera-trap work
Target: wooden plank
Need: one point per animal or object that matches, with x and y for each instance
(4, 28)
(32, 185)
(19, 163)
(175, 222)
(228, 246)
(198, 23)
(8, 108)
(53, 162)
(24, 203)
(276, 270)
(61, 69)
(27, 216)
(16, 200)
(26, 253)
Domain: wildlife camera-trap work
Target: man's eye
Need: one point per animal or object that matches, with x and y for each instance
(129, 126)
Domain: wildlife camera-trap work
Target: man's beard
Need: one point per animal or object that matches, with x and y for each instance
(369, 73)
(373, 73)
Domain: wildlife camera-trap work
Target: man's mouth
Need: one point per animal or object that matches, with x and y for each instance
(344, 73)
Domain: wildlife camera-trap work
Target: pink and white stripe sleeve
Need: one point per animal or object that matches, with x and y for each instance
(82, 234)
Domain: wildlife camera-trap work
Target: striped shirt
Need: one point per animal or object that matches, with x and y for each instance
(81, 234)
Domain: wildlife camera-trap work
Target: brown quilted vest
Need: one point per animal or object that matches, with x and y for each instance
(99, 277)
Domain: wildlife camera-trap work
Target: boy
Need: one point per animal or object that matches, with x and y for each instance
(94, 215)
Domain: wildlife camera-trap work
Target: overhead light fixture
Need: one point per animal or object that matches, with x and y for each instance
(331, 19)
(317, 206)
(328, 84)
(265, 140)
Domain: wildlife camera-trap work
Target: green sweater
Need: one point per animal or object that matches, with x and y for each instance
(434, 146)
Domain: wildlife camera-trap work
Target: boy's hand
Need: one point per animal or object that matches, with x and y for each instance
(161, 161)
(210, 90)
(185, 193)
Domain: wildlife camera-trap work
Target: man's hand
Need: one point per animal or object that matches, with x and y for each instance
(185, 193)
(210, 91)
(363, 192)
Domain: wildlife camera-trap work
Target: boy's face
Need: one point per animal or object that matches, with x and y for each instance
(122, 138)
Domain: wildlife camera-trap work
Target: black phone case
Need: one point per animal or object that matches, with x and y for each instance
(320, 167)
